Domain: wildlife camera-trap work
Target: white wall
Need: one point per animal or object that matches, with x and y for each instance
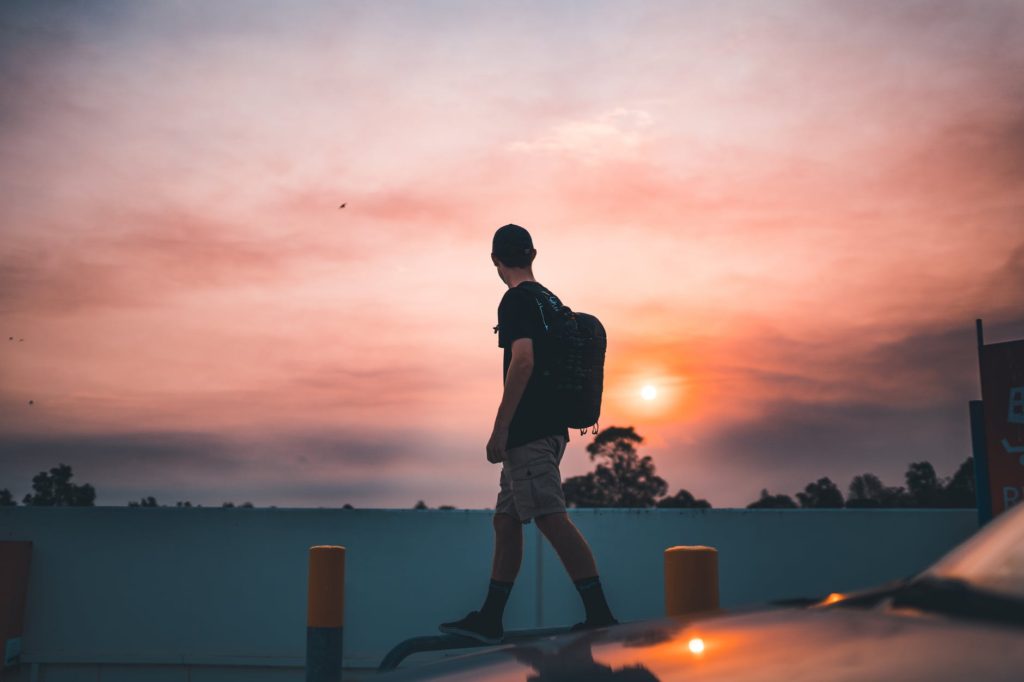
(213, 587)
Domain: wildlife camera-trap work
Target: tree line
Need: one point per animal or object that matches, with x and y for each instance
(54, 488)
(624, 478)
(923, 489)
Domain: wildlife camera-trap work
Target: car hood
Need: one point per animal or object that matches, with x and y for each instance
(813, 645)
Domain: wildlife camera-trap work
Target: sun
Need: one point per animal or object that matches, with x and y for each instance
(648, 392)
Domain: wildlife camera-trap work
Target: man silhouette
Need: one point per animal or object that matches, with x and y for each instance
(528, 441)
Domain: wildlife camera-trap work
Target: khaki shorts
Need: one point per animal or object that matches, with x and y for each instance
(531, 484)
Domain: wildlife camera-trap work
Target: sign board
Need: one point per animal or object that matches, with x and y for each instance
(15, 557)
(1002, 394)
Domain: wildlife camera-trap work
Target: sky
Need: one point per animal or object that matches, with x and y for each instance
(787, 215)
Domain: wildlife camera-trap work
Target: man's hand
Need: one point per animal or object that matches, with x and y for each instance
(496, 445)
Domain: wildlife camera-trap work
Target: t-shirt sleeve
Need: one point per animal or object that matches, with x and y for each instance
(516, 315)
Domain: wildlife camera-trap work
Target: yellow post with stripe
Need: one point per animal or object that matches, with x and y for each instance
(325, 615)
(691, 580)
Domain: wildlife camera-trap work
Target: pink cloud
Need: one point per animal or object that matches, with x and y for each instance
(765, 219)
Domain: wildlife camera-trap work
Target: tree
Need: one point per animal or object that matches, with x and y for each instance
(923, 486)
(56, 489)
(344, 506)
(867, 491)
(960, 492)
(896, 496)
(145, 502)
(683, 500)
(769, 501)
(622, 478)
(924, 489)
(822, 494)
(583, 491)
(6, 499)
(420, 505)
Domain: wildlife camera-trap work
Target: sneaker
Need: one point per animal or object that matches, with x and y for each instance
(593, 624)
(475, 626)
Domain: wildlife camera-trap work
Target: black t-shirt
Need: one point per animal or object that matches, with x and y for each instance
(519, 317)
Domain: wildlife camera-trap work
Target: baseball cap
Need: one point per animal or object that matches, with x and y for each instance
(511, 240)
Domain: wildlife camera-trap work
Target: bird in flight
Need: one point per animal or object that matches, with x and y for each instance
(343, 205)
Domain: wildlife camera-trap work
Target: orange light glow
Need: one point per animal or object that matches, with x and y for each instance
(696, 645)
(832, 599)
(648, 392)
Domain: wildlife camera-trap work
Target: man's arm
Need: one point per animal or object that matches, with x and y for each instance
(520, 368)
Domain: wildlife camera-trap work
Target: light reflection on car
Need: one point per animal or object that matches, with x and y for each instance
(961, 619)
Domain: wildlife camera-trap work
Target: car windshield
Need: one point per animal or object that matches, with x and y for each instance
(992, 560)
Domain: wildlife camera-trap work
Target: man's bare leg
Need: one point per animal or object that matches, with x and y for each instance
(485, 624)
(579, 563)
(569, 543)
(508, 548)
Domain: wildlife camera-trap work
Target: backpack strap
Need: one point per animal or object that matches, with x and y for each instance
(529, 291)
(540, 305)
(539, 298)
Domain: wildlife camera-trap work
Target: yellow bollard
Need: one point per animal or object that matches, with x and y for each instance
(691, 580)
(325, 615)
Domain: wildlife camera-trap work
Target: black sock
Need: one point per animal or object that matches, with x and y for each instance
(494, 605)
(593, 600)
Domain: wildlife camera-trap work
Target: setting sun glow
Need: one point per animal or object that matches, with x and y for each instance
(648, 392)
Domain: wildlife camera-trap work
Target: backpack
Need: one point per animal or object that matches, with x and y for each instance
(575, 347)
